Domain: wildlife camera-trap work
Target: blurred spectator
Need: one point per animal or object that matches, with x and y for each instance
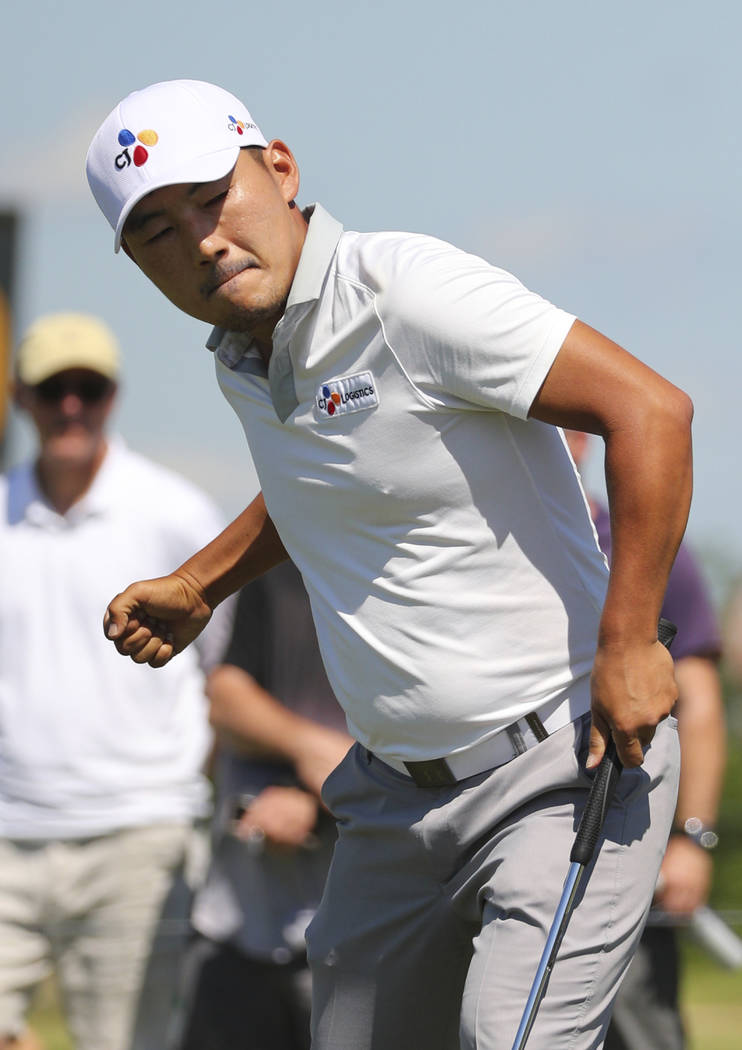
(100, 780)
(732, 634)
(281, 732)
(646, 1015)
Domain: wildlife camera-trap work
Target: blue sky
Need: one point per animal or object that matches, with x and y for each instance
(592, 149)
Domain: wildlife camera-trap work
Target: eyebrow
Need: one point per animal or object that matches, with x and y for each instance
(137, 222)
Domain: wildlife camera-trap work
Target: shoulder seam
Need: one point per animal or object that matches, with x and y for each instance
(428, 401)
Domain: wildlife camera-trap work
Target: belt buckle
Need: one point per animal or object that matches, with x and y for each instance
(433, 773)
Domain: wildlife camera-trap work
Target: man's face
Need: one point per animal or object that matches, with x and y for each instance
(224, 251)
(69, 411)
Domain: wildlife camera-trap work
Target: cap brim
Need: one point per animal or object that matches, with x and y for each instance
(61, 361)
(197, 169)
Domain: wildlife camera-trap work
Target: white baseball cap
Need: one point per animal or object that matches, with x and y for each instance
(171, 132)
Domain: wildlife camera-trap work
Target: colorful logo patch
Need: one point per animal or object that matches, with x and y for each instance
(139, 154)
(238, 125)
(347, 394)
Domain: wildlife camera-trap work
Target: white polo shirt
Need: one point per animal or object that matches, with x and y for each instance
(444, 538)
(89, 742)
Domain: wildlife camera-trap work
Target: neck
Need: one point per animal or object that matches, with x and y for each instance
(64, 483)
(264, 347)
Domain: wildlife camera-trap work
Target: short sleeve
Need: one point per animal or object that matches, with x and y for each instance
(467, 333)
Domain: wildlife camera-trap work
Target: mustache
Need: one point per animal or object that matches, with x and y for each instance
(219, 275)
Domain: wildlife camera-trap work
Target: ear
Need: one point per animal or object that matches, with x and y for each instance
(282, 165)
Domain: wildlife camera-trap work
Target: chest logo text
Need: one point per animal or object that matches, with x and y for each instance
(355, 393)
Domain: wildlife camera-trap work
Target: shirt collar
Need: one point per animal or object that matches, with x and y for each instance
(319, 247)
(29, 502)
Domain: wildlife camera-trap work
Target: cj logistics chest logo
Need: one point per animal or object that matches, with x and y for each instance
(337, 397)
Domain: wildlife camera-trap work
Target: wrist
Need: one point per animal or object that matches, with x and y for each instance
(302, 738)
(626, 627)
(192, 584)
(703, 835)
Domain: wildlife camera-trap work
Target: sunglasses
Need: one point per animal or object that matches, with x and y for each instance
(90, 389)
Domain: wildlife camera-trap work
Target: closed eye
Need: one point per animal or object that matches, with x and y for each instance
(160, 234)
(217, 199)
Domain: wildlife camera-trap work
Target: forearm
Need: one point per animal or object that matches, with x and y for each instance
(153, 620)
(596, 386)
(702, 729)
(648, 465)
(687, 869)
(633, 686)
(248, 547)
(258, 723)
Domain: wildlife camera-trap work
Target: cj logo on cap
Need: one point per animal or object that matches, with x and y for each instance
(238, 125)
(139, 155)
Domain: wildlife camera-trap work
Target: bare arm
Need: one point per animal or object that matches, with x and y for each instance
(250, 720)
(596, 386)
(153, 620)
(256, 723)
(685, 877)
(702, 729)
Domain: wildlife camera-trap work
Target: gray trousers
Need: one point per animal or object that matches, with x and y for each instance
(439, 901)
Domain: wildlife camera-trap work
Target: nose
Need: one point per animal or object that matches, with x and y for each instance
(71, 403)
(211, 248)
(209, 244)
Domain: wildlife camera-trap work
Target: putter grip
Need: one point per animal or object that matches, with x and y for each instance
(605, 782)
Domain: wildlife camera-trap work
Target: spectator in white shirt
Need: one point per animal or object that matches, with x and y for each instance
(100, 764)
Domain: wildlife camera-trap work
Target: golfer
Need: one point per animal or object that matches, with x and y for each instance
(403, 401)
